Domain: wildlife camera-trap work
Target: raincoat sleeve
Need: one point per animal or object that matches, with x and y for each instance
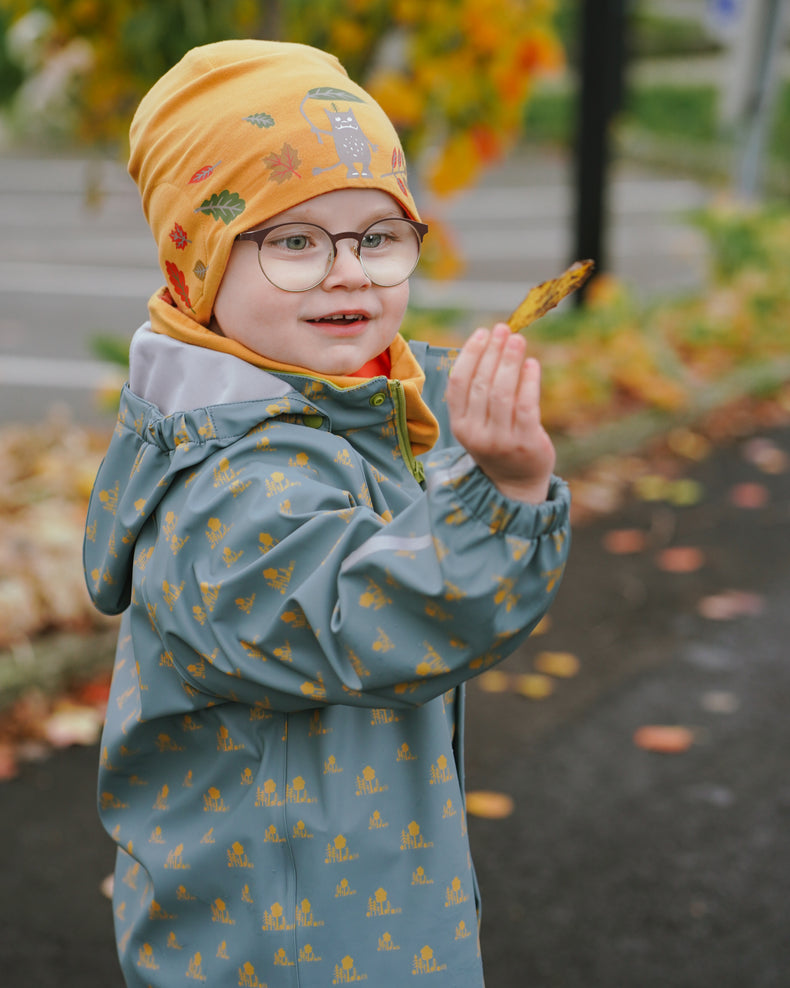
(277, 579)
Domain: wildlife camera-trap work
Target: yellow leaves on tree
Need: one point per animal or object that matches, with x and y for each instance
(461, 80)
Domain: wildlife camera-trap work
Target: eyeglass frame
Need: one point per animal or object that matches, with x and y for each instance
(258, 237)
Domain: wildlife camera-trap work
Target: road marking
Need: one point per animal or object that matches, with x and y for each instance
(48, 372)
(92, 281)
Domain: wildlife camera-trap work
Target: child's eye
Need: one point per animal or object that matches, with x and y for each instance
(294, 240)
(297, 241)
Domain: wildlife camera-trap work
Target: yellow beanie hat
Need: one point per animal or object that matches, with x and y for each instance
(239, 131)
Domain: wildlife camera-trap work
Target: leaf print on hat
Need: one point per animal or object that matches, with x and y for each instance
(203, 173)
(179, 282)
(179, 237)
(225, 206)
(260, 119)
(284, 164)
(331, 93)
(200, 269)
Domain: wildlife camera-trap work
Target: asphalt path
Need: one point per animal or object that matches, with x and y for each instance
(618, 866)
(77, 260)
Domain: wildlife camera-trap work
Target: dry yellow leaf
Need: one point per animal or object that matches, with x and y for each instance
(490, 805)
(534, 686)
(542, 626)
(560, 664)
(494, 681)
(543, 297)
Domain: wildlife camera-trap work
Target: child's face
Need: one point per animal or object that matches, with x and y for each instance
(297, 327)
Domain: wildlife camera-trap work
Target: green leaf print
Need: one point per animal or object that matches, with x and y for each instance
(260, 119)
(225, 206)
(330, 93)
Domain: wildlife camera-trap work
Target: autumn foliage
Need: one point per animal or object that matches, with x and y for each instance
(454, 75)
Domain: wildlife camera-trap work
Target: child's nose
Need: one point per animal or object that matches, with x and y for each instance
(347, 268)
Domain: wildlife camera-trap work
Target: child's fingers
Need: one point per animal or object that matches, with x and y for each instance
(464, 369)
(506, 385)
(527, 404)
(482, 382)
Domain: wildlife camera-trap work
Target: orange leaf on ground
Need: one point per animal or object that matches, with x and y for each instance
(664, 738)
(489, 805)
(681, 559)
(8, 763)
(560, 664)
(749, 495)
(534, 686)
(624, 541)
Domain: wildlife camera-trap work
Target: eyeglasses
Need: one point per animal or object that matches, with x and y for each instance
(298, 256)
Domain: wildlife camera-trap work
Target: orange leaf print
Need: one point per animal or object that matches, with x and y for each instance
(284, 164)
(179, 282)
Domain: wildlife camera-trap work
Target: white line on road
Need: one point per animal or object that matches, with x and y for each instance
(48, 372)
(92, 281)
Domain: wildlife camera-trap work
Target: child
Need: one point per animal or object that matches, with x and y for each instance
(309, 566)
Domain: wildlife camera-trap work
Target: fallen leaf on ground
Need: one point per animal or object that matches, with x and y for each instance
(688, 444)
(766, 456)
(72, 724)
(652, 487)
(685, 493)
(534, 686)
(563, 665)
(730, 605)
(489, 805)
(749, 495)
(720, 702)
(494, 681)
(624, 541)
(542, 626)
(8, 763)
(681, 559)
(664, 738)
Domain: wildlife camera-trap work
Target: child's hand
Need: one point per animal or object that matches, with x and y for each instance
(494, 401)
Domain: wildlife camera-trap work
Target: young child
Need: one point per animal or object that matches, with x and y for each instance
(312, 548)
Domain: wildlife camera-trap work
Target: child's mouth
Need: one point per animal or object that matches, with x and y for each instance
(341, 320)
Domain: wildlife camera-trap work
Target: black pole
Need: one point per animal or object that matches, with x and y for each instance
(601, 74)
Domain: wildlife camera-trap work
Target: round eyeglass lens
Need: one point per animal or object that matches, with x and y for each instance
(389, 251)
(296, 256)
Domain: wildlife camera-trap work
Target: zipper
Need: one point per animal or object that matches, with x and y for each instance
(402, 430)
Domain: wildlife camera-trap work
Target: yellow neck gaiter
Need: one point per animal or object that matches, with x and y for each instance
(423, 428)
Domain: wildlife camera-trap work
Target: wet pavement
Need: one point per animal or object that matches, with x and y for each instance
(619, 866)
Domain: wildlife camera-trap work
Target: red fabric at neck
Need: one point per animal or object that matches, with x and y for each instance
(378, 366)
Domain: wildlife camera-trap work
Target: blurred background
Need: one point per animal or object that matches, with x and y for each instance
(652, 136)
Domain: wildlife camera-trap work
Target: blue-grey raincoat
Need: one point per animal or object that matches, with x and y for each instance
(281, 766)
